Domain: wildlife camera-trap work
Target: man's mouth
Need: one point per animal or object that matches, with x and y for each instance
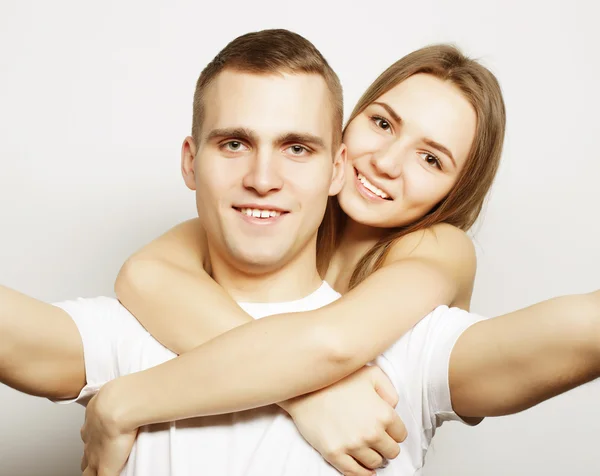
(259, 213)
(262, 214)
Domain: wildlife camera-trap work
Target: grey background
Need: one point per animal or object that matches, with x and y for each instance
(96, 98)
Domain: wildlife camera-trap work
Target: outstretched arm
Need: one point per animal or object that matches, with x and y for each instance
(510, 363)
(40, 348)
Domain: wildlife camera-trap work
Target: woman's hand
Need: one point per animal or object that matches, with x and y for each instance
(352, 423)
(106, 445)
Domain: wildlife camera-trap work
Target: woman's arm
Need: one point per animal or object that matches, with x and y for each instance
(279, 357)
(166, 287)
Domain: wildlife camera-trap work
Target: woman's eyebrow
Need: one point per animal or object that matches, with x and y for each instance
(441, 148)
(395, 116)
(436, 145)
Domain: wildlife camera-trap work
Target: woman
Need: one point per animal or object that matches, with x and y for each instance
(399, 238)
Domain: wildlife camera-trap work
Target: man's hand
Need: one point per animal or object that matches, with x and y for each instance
(352, 423)
(106, 445)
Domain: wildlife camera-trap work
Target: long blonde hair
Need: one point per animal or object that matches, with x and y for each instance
(464, 202)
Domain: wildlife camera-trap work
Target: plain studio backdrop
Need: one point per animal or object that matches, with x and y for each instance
(95, 100)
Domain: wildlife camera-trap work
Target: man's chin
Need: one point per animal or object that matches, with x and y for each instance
(261, 262)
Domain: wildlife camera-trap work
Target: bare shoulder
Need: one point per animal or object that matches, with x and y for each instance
(192, 230)
(446, 247)
(184, 240)
(441, 241)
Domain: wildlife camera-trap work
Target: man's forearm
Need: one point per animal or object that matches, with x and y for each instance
(40, 348)
(510, 363)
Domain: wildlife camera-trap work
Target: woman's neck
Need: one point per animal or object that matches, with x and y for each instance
(356, 240)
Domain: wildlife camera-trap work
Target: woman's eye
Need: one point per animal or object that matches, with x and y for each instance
(298, 150)
(382, 123)
(431, 160)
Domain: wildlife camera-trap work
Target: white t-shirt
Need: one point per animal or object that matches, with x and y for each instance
(265, 441)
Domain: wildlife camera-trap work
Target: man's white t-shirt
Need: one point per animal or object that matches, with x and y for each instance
(265, 441)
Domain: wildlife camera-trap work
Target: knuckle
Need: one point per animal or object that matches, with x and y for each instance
(392, 452)
(372, 436)
(389, 416)
(331, 454)
(352, 445)
(373, 462)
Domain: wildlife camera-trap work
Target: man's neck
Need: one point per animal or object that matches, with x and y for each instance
(291, 281)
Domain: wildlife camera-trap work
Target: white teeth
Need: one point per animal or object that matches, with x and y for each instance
(256, 213)
(369, 186)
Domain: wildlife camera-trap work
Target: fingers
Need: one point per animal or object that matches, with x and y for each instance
(396, 428)
(367, 457)
(347, 465)
(386, 447)
(384, 387)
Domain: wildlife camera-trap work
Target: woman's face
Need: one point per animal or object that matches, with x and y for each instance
(405, 152)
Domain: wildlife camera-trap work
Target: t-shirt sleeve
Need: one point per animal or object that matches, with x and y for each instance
(418, 365)
(441, 342)
(103, 323)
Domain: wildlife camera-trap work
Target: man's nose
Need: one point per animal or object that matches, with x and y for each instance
(264, 175)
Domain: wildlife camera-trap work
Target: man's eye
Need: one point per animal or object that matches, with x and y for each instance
(234, 146)
(298, 150)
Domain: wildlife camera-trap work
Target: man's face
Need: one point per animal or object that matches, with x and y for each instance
(264, 166)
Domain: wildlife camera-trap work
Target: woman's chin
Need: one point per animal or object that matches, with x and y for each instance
(366, 216)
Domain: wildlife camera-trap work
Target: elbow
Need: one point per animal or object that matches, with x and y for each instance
(331, 349)
(137, 276)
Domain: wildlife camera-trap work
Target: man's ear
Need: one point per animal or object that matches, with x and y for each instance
(188, 154)
(339, 167)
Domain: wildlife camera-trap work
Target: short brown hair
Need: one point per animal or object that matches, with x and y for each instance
(270, 52)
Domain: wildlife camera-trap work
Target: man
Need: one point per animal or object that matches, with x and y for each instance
(264, 157)
(278, 94)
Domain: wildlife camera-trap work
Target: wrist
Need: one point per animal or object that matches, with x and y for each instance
(112, 406)
(290, 406)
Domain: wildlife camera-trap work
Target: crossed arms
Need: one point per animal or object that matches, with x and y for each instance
(538, 352)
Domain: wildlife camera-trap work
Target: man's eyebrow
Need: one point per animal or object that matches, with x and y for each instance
(303, 138)
(395, 116)
(232, 133)
(441, 148)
